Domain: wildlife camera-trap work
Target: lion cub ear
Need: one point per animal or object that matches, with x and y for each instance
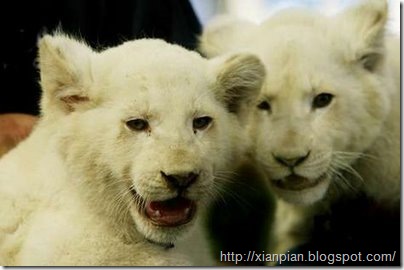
(65, 74)
(365, 26)
(223, 34)
(238, 80)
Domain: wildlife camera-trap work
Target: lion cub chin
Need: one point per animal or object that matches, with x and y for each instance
(327, 121)
(125, 154)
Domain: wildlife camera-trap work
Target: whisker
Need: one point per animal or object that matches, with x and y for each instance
(231, 193)
(343, 182)
(341, 164)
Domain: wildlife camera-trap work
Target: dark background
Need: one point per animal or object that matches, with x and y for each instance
(101, 23)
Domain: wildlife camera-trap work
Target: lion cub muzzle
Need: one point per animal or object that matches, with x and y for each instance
(175, 211)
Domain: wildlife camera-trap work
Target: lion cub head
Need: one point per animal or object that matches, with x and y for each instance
(324, 100)
(146, 128)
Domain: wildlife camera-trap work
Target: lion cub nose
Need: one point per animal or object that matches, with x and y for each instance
(182, 180)
(291, 162)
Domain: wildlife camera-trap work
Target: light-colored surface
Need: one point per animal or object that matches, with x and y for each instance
(259, 10)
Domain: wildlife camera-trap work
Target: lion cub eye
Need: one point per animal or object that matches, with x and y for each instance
(201, 123)
(137, 124)
(264, 105)
(322, 100)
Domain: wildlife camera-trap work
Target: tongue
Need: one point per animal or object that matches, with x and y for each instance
(172, 212)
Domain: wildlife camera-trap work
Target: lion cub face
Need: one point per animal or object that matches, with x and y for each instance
(147, 126)
(324, 99)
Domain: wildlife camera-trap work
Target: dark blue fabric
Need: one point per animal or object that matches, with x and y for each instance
(101, 23)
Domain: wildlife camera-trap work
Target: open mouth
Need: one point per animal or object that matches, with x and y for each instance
(169, 213)
(297, 183)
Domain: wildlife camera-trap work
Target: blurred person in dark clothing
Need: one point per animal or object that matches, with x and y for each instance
(101, 23)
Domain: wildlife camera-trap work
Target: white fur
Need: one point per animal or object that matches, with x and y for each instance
(65, 191)
(354, 142)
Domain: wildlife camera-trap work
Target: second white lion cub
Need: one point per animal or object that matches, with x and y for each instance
(327, 122)
(125, 154)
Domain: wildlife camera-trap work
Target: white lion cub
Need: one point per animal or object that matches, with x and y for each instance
(327, 120)
(125, 153)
